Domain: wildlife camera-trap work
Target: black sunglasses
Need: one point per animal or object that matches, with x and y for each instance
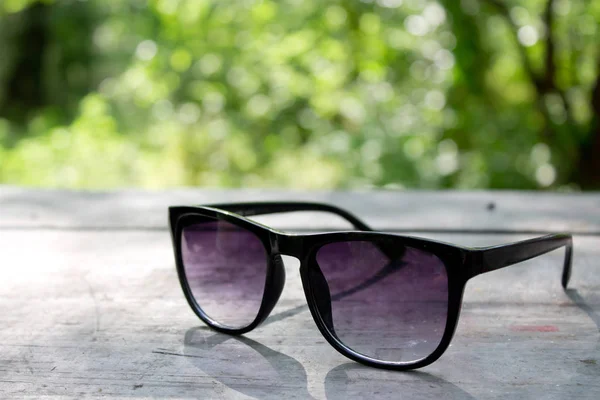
(381, 299)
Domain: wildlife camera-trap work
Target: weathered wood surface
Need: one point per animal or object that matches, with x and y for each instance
(90, 304)
(387, 210)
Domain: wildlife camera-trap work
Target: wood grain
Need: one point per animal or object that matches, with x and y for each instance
(90, 306)
(420, 211)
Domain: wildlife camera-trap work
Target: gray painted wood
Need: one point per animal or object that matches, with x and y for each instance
(90, 305)
(387, 210)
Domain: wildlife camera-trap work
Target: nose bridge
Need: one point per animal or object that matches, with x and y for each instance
(287, 244)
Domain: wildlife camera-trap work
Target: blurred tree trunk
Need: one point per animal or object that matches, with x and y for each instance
(589, 152)
(24, 86)
(585, 169)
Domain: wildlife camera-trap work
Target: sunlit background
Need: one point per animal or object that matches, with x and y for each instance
(300, 93)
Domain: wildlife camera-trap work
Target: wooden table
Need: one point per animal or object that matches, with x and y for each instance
(90, 304)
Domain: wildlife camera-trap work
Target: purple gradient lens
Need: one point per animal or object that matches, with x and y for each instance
(226, 269)
(387, 309)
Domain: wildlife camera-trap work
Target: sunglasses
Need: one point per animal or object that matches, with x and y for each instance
(384, 300)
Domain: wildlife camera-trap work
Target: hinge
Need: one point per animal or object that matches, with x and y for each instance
(474, 263)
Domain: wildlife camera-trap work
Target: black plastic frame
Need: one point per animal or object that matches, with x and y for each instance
(462, 264)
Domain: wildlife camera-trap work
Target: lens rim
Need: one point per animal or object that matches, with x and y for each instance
(453, 258)
(187, 216)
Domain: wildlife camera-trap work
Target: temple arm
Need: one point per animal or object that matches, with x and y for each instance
(493, 258)
(248, 209)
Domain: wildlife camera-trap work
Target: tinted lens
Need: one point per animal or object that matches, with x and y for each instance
(388, 302)
(226, 269)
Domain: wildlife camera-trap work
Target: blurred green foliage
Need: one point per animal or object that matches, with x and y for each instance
(300, 93)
